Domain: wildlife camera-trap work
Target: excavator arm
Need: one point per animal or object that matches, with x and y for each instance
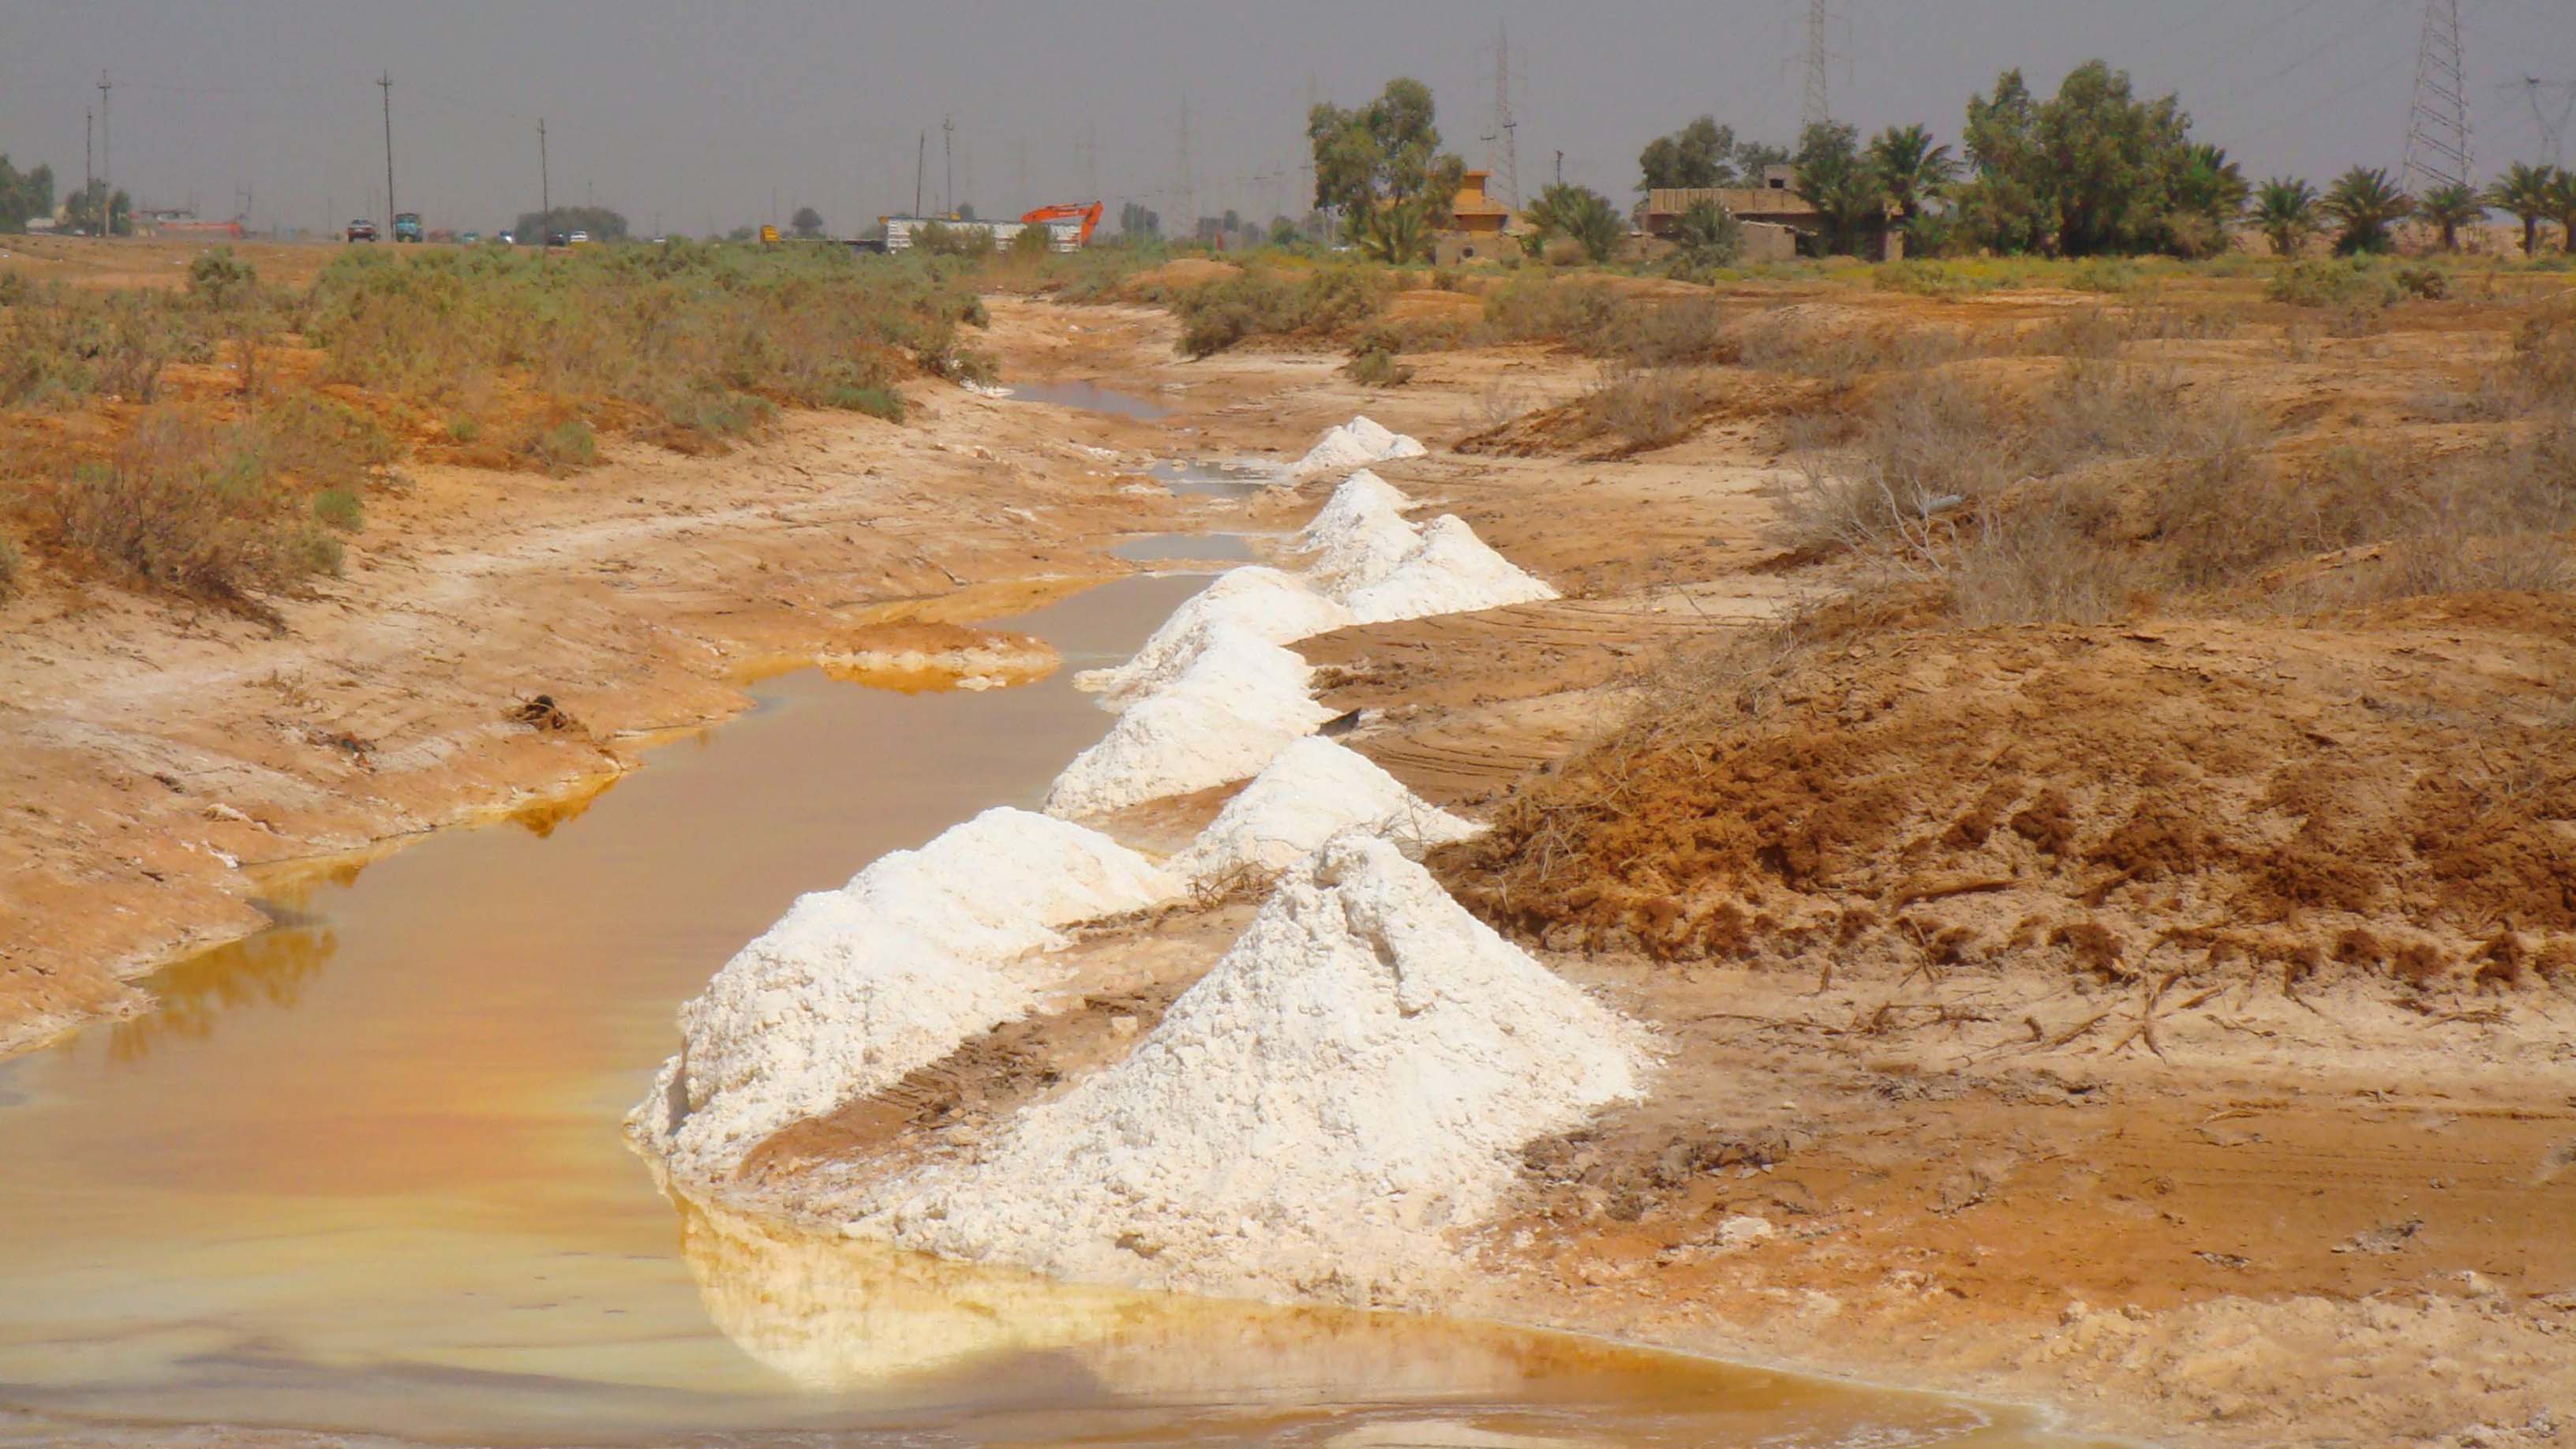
(1089, 212)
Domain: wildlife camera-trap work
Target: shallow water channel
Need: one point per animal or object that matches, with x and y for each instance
(363, 1171)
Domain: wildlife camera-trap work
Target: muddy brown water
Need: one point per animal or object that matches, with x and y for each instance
(363, 1173)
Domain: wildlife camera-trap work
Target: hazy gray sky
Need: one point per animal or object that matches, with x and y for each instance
(695, 112)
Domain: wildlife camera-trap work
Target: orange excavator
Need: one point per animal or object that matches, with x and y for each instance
(1089, 211)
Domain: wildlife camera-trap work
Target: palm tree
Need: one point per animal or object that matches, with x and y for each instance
(1581, 213)
(2212, 185)
(2524, 190)
(2562, 206)
(2367, 203)
(2450, 208)
(1911, 169)
(2286, 210)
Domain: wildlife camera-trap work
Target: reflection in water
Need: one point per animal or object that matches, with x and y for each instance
(854, 1315)
(1090, 397)
(539, 818)
(272, 968)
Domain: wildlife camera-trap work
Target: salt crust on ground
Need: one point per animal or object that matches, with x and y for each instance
(1262, 602)
(1312, 792)
(854, 987)
(1355, 444)
(1237, 705)
(1453, 572)
(1345, 1085)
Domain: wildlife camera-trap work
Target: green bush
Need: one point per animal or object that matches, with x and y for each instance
(1378, 366)
(339, 508)
(1263, 303)
(195, 508)
(221, 280)
(11, 564)
(2319, 282)
(565, 446)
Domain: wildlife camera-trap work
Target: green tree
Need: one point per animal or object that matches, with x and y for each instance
(1134, 219)
(807, 222)
(1705, 238)
(1842, 185)
(2209, 197)
(2366, 204)
(2562, 208)
(1283, 232)
(2007, 203)
(2524, 189)
(2449, 208)
(602, 223)
(1701, 154)
(2093, 170)
(24, 194)
(1382, 168)
(1581, 214)
(98, 212)
(2285, 208)
(1911, 169)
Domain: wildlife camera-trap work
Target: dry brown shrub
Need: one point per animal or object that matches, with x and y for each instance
(1644, 407)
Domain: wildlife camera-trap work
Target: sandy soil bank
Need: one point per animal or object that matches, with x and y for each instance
(159, 761)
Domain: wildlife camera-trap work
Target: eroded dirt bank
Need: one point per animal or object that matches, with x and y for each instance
(2150, 1103)
(158, 760)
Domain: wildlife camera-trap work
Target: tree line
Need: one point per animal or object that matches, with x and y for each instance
(2093, 170)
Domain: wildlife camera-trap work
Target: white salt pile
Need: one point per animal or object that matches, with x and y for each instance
(1236, 706)
(1347, 1083)
(1262, 602)
(1360, 535)
(1453, 571)
(1355, 444)
(852, 988)
(1312, 792)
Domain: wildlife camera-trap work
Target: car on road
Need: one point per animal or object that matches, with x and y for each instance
(362, 231)
(509, 238)
(407, 227)
(469, 238)
(581, 238)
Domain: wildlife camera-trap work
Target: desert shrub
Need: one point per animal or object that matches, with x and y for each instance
(1535, 309)
(58, 345)
(222, 280)
(1929, 279)
(1320, 303)
(876, 402)
(565, 446)
(2040, 559)
(1594, 320)
(463, 428)
(1644, 407)
(191, 507)
(12, 564)
(339, 508)
(2102, 274)
(2319, 282)
(2422, 279)
(1376, 365)
(2087, 332)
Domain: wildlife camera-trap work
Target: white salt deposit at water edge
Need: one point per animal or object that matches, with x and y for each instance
(1312, 792)
(1349, 1082)
(1261, 602)
(852, 988)
(1237, 705)
(1355, 444)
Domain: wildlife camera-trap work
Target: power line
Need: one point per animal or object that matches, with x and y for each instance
(2437, 122)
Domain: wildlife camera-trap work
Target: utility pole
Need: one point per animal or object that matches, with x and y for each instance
(1189, 217)
(385, 83)
(1091, 161)
(1560, 168)
(106, 186)
(948, 166)
(2437, 124)
(1502, 155)
(920, 163)
(545, 189)
(1818, 109)
(89, 140)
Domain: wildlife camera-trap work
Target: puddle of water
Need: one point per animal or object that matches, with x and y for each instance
(1090, 397)
(1218, 479)
(1217, 547)
(362, 1172)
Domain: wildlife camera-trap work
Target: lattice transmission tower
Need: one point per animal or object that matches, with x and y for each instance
(2437, 125)
(1502, 143)
(1819, 107)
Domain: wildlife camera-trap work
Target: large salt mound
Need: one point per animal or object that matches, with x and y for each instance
(1351, 1080)
(1237, 705)
(1355, 444)
(1359, 537)
(854, 987)
(1313, 791)
(1262, 602)
(1452, 572)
